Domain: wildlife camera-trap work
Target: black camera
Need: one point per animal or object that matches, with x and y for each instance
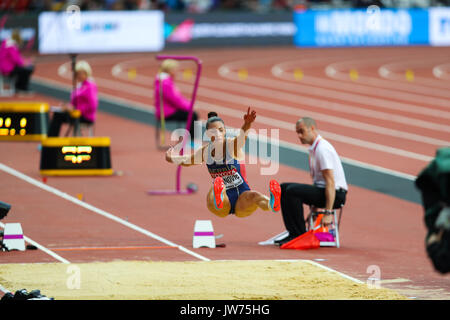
(4, 209)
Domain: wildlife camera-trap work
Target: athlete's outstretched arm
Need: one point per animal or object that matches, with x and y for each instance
(186, 160)
(239, 140)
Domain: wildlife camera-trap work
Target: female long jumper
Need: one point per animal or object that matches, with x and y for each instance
(230, 193)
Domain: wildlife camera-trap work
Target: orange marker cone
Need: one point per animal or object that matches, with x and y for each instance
(303, 242)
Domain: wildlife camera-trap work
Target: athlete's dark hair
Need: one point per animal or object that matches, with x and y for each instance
(213, 117)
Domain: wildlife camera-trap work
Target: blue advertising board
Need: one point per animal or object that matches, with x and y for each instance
(354, 27)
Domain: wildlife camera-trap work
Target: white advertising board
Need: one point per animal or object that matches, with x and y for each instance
(101, 32)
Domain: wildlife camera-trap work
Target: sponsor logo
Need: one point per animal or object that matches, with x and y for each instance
(439, 29)
(99, 26)
(189, 30)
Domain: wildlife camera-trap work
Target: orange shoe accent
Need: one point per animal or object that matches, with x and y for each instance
(219, 185)
(275, 195)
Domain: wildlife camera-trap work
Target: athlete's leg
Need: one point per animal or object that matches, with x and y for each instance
(249, 201)
(210, 203)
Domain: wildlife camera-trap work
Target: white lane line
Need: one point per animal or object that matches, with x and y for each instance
(145, 108)
(352, 97)
(397, 280)
(42, 248)
(299, 88)
(111, 84)
(333, 71)
(285, 125)
(395, 71)
(341, 274)
(442, 71)
(314, 102)
(300, 112)
(338, 107)
(364, 100)
(334, 271)
(237, 114)
(330, 106)
(304, 100)
(286, 71)
(118, 72)
(96, 210)
(3, 289)
(337, 137)
(39, 246)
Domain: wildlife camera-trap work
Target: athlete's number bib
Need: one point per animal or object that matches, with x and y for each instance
(231, 178)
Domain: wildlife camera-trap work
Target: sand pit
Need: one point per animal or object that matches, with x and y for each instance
(215, 280)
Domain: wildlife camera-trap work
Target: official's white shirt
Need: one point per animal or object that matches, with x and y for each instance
(322, 155)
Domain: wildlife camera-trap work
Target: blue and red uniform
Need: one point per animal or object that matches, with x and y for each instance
(234, 177)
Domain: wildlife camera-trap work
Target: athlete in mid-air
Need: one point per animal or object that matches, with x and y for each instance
(230, 193)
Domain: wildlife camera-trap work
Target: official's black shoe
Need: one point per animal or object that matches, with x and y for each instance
(279, 240)
(285, 240)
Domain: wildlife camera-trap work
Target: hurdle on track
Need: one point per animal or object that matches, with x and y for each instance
(191, 188)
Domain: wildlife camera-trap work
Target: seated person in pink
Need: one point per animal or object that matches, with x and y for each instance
(84, 99)
(175, 106)
(12, 64)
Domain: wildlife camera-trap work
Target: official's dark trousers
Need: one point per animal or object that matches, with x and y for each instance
(180, 115)
(294, 195)
(22, 75)
(58, 119)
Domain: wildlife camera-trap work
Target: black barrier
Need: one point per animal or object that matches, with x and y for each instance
(76, 156)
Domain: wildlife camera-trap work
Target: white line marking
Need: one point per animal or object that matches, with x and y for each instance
(3, 289)
(389, 71)
(37, 245)
(397, 280)
(232, 113)
(314, 102)
(442, 71)
(284, 71)
(289, 126)
(338, 107)
(332, 270)
(289, 110)
(301, 88)
(96, 210)
(302, 260)
(333, 71)
(282, 124)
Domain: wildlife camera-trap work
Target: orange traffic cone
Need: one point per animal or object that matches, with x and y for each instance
(303, 242)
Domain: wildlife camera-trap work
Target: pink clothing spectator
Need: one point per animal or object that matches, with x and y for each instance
(172, 98)
(85, 99)
(10, 57)
(14, 66)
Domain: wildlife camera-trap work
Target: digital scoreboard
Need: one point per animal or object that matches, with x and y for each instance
(76, 156)
(23, 121)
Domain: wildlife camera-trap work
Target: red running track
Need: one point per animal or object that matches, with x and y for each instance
(376, 230)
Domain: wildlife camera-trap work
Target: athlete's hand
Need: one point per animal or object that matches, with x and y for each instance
(250, 116)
